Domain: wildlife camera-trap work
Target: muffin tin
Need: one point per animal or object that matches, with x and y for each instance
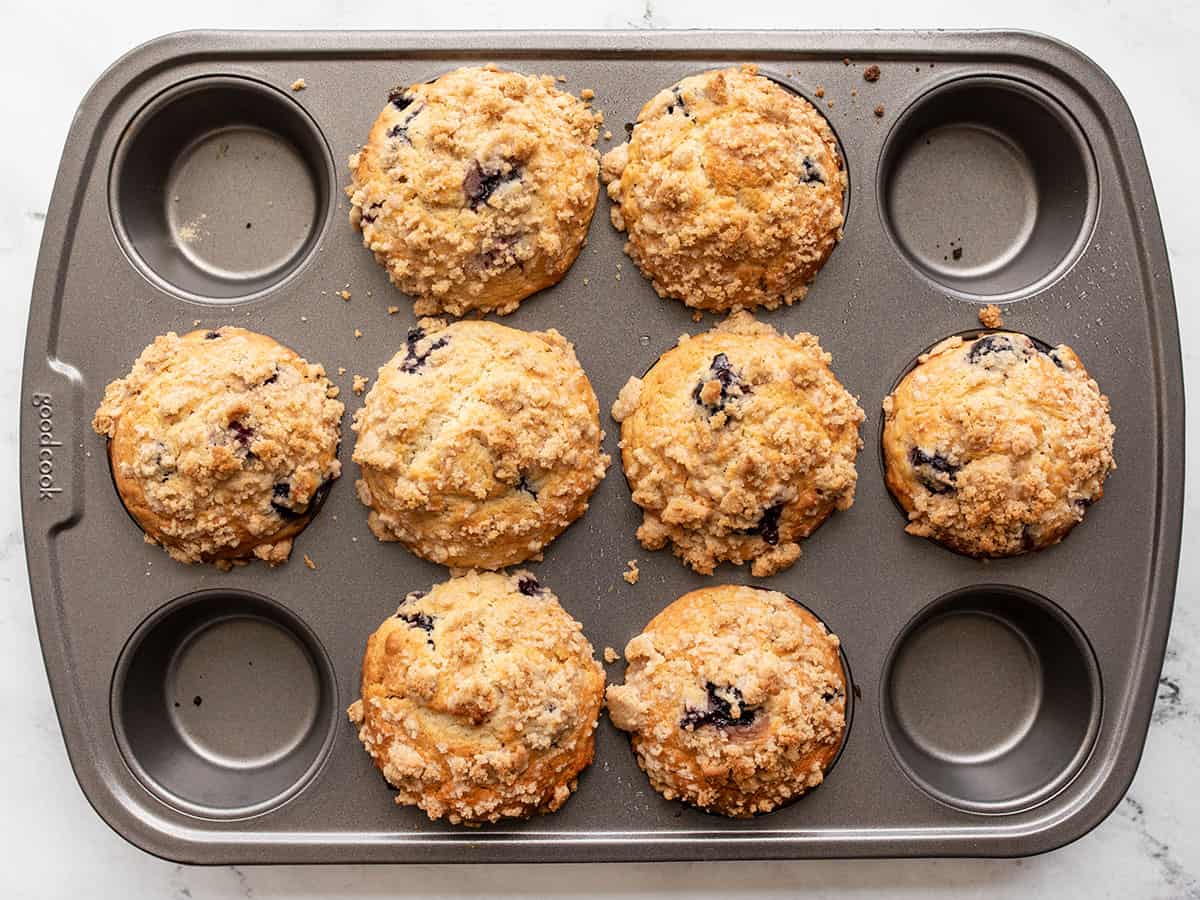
(1000, 707)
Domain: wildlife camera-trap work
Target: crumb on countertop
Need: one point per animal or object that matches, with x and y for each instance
(820, 91)
(845, 60)
(871, 73)
(308, 561)
(360, 384)
(299, 84)
(879, 111)
(989, 316)
(632, 574)
(611, 655)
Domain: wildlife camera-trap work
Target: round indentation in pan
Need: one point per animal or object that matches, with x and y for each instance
(987, 187)
(991, 699)
(220, 189)
(223, 704)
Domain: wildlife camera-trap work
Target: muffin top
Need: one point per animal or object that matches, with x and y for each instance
(735, 698)
(220, 442)
(738, 443)
(479, 699)
(731, 191)
(996, 446)
(476, 189)
(478, 443)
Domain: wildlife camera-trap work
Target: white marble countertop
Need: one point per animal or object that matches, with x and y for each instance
(56, 846)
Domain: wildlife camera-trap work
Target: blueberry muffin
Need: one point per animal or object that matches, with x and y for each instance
(735, 700)
(737, 444)
(996, 446)
(730, 189)
(479, 444)
(477, 189)
(221, 444)
(480, 699)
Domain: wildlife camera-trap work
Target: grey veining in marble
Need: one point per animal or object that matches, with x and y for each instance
(54, 846)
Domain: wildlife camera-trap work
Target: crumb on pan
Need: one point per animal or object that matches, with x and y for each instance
(989, 316)
(358, 333)
(392, 310)
(308, 561)
(587, 94)
(341, 370)
(632, 574)
(611, 655)
(360, 384)
(344, 294)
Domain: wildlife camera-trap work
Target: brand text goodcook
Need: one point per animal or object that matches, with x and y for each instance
(44, 404)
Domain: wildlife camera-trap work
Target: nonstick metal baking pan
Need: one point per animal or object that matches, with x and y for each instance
(999, 708)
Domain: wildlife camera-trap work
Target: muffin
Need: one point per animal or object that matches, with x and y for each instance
(735, 700)
(730, 190)
(221, 444)
(476, 190)
(480, 699)
(996, 445)
(479, 444)
(737, 444)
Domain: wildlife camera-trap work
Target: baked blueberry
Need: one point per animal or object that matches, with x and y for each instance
(719, 710)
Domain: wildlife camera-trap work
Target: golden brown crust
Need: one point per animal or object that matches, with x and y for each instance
(735, 698)
(476, 190)
(730, 189)
(219, 442)
(737, 444)
(480, 699)
(479, 444)
(995, 447)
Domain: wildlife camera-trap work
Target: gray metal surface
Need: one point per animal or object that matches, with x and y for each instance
(1005, 719)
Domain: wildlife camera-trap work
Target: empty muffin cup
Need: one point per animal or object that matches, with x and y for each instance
(223, 704)
(988, 188)
(991, 699)
(220, 188)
